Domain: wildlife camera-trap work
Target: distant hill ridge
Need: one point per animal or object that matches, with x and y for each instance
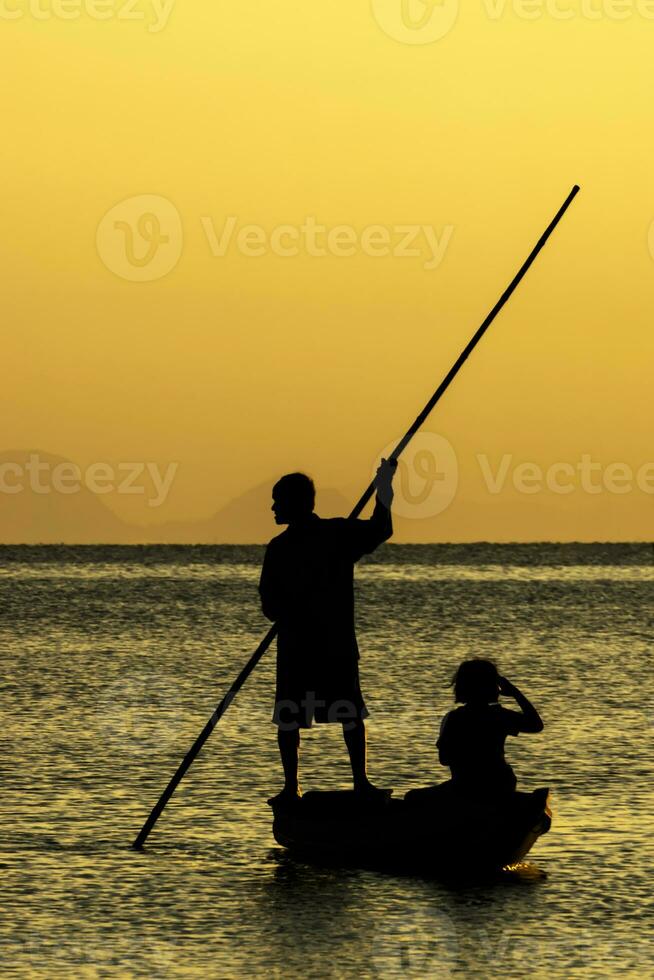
(30, 517)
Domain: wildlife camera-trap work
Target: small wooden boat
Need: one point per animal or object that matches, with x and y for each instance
(429, 832)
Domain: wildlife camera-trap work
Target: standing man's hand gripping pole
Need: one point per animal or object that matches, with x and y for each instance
(384, 481)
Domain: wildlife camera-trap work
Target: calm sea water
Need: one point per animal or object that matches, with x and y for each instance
(112, 660)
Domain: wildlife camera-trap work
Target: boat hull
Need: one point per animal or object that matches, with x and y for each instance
(424, 835)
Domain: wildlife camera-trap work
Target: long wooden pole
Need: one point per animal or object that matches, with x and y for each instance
(365, 497)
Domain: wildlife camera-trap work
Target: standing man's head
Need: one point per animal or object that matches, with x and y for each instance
(294, 497)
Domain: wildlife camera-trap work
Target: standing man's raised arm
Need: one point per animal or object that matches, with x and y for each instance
(366, 535)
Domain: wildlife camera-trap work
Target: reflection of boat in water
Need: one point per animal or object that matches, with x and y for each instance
(428, 832)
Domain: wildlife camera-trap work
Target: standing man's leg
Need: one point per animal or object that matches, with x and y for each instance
(289, 749)
(354, 733)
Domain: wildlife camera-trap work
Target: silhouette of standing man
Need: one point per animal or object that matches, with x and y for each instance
(306, 587)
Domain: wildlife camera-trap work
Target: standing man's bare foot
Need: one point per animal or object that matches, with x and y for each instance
(288, 796)
(368, 789)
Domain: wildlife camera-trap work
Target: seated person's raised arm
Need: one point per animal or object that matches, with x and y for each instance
(530, 720)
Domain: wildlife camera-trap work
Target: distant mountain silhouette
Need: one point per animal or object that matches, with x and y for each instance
(83, 517)
(29, 517)
(246, 520)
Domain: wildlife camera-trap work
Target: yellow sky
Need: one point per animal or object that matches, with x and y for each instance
(240, 366)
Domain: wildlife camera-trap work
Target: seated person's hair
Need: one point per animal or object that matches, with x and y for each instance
(476, 680)
(296, 489)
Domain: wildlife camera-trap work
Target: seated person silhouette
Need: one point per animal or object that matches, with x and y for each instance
(307, 589)
(472, 737)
